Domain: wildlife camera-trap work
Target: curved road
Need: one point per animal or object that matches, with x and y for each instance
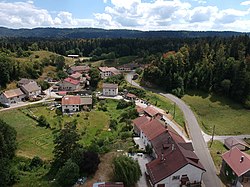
(210, 178)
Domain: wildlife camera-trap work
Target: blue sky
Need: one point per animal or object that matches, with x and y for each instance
(200, 15)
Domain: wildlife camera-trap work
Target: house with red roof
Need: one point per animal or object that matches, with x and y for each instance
(152, 112)
(70, 84)
(71, 103)
(236, 167)
(175, 163)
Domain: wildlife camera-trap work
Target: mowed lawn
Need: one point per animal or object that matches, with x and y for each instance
(166, 105)
(228, 117)
(32, 140)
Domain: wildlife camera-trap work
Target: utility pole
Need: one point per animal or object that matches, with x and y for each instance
(174, 110)
(212, 140)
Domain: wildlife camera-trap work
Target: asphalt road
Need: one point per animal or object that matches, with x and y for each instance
(210, 178)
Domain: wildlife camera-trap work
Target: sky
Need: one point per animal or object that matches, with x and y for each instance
(194, 15)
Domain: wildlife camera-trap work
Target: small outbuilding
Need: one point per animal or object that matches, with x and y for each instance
(235, 142)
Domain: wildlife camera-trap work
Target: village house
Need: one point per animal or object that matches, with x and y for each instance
(70, 84)
(79, 77)
(12, 96)
(31, 89)
(71, 104)
(233, 142)
(78, 69)
(106, 72)
(128, 67)
(236, 167)
(109, 89)
(152, 112)
(130, 96)
(24, 81)
(174, 164)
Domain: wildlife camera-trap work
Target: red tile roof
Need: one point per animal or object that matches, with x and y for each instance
(139, 109)
(233, 159)
(152, 129)
(151, 111)
(174, 158)
(138, 122)
(72, 81)
(71, 100)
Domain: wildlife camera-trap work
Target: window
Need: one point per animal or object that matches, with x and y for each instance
(177, 177)
(160, 185)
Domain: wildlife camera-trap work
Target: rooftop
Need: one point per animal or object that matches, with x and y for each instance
(13, 93)
(72, 81)
(79, 68)
(76, 75)
(111, 69)
(152, 129)
(71, 100)
(138, 122)
(231, 141)
(238, 161)
(31, 87)
(173, 158)
(151, 111)
(110, 86)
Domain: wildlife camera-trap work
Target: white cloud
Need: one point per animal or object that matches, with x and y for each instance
(26, 14)
(131, 14)
(245, 3)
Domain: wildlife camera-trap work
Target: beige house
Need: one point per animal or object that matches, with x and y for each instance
(31, 89)
(109, 89)
(12, 96)
(70, 84)
(106, 72)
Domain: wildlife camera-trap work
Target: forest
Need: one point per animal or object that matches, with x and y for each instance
(213, 64)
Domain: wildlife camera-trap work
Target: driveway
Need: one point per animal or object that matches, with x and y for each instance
(210, 178)
(142, 160)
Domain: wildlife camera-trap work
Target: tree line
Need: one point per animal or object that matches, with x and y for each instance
(220, 66)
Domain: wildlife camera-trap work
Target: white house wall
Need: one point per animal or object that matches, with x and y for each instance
(110, 91)
(71, 108)
(193, 173)
(69, 86)
(12, 100)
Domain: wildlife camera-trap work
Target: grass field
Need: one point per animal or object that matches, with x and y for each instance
(167, 105)
(216, 150)
(32, 140)
(228, 117)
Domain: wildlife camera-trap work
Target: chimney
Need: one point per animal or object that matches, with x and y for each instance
(162, 156)
(241, 159)
(172, 147)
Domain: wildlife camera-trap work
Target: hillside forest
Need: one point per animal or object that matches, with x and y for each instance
(212, 64)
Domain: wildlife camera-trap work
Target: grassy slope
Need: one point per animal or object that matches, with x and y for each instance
(32, 140)
(166, 105)
(228, 117)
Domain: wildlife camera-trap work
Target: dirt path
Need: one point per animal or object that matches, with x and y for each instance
(104, 172)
